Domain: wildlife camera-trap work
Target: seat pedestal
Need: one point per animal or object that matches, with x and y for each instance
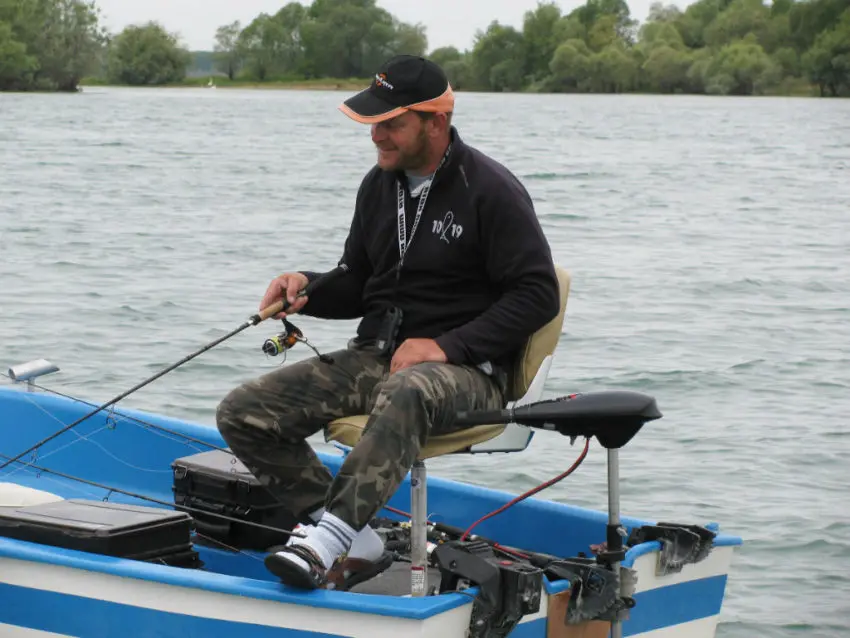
(418, 530)
(616, 530)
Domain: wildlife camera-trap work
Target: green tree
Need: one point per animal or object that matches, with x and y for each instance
(48, 44)
(345, 39)
(807, 20)
(659, 12)
(460, 73)
(271, 45)
(410, 39)
(827, 63)
(570, 27)
(788, 60)
(70, 43)
(498, 57)
(146, 55)
(741, 68)
(740, 18)
(444, 56)
(613, 71)
(661, 33)
(16, 66)
(571, 66)
(540, 34)
(693, 22)
(227, 56)
(350, 38)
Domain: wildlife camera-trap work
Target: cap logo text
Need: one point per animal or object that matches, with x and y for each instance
(381, 80)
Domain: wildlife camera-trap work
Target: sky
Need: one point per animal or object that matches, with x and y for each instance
(447, 22)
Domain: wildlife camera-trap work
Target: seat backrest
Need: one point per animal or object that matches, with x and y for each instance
(531, 374)
(540, 345)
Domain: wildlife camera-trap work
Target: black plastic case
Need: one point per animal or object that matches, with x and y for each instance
(218, 482)
(113, 529)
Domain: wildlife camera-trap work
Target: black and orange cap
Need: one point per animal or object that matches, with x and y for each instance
(403, 83)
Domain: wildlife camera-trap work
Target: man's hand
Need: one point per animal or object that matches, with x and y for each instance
(286, 286)
(414, 351)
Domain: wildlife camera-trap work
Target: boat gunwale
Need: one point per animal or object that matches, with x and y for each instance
(382, 605)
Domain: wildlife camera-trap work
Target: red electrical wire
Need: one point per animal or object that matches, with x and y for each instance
(533, 491)
(514, 501)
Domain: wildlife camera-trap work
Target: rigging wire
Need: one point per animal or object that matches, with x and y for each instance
(130, 418)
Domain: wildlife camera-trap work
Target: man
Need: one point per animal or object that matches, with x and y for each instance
(450, 273)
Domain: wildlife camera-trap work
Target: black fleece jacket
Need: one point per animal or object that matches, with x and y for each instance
(478, 275)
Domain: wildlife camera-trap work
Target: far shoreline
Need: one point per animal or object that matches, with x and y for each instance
(323, 84)
(798, 90)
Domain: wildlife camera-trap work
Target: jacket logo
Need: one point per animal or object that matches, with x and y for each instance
(381, 80)
(446, 229)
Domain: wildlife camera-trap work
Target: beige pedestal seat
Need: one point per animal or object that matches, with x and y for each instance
(529, 379)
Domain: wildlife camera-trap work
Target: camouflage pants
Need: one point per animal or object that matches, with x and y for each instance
(266, 421)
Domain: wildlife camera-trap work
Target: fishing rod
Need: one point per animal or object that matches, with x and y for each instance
(151, 499)
(253, 320)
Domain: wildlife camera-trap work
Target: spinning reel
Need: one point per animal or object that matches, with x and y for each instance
(284, 341)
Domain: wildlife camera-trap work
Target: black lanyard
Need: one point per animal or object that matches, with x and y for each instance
(403, 241)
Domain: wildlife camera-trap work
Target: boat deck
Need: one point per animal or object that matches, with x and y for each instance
(395, 581)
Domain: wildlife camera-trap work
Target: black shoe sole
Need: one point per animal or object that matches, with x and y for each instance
(290, 573)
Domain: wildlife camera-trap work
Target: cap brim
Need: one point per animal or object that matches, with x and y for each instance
(365, 107)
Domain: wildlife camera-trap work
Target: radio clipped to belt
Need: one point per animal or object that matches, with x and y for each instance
(388, 332)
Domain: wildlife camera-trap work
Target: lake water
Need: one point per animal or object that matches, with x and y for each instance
(708, 239)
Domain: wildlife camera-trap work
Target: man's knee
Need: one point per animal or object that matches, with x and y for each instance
(235, 409)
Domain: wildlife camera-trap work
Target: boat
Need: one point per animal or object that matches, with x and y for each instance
(88, 495)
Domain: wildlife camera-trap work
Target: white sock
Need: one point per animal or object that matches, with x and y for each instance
(367, 544)
(329, 539)
(302, 528)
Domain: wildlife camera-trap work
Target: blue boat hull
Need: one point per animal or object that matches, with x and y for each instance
(72, 593)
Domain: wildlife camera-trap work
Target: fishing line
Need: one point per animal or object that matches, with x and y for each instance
(264, 314)
(124, 416)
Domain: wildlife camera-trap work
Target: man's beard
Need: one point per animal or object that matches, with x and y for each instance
(414, 158)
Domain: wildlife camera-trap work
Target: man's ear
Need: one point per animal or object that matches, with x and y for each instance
(440, 123)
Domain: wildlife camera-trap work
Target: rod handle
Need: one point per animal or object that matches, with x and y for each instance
(270, 311)
(283, 304)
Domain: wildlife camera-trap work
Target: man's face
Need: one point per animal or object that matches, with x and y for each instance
(402, 142)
